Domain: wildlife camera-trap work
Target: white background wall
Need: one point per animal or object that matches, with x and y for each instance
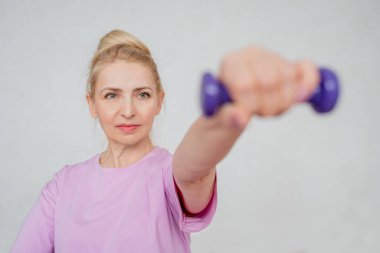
(298, 183)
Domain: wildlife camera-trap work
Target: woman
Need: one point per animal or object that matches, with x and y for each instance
(137, 197)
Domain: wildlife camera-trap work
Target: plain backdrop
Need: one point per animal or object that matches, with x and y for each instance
(298, 183)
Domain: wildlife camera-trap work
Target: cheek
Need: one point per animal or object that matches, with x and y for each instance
(107, 115)
(147, 112)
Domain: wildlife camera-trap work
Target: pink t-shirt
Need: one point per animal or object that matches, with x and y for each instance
(88, 208)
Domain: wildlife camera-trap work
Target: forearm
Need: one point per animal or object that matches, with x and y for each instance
(206, 143)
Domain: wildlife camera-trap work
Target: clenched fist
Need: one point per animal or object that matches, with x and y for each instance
(263, 83)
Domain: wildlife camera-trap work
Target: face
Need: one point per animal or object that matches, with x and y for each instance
(126, 102)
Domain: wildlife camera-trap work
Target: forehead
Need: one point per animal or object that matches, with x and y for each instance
(125, 75)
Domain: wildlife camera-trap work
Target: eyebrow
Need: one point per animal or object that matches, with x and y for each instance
(119, 90)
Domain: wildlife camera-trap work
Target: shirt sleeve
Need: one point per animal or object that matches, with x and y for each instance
(37, 231)
(187, 223)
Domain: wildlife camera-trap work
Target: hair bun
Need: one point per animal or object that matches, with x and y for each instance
(119, 37)
(120, 45)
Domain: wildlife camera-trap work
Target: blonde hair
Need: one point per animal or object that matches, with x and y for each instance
(120, 45)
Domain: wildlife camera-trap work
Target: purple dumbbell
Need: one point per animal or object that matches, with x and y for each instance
(323, 100)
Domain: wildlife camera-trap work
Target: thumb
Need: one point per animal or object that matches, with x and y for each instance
(234, 115)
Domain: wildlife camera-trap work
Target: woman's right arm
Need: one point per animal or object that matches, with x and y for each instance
(260, 83)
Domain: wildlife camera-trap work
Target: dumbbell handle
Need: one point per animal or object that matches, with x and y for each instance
(323, 100)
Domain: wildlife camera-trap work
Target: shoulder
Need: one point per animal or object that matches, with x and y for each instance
(75, 169)
(162, 156)
(163, 153)
(157, 161)
(69, 173)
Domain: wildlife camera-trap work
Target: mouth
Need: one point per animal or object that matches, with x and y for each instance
(127, 128)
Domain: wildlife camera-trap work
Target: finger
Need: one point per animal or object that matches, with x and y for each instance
(267, 73)
(239, 80)
(271, 80)
(308, 79)
(289, 87)
(270, 103)
(233, 70)
(289, 92)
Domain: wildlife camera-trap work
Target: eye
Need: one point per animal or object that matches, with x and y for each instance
(110, 95)
(144, 95)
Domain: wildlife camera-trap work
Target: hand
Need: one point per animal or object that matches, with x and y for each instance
(262, 83)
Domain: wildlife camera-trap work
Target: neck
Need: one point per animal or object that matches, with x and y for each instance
(121, 156)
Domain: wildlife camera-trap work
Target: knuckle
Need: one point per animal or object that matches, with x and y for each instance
(251, 48)
(265, 113)
(229, 58)
(308, 63)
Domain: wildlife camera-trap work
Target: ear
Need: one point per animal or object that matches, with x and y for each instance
(161, 97)
(91, 106)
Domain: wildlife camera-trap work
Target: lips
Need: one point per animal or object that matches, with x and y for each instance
(127, 128)
(127, 125)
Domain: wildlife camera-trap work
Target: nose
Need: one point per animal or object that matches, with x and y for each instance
(128, 108)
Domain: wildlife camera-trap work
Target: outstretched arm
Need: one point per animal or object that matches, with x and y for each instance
(260, 83)
(206, 143)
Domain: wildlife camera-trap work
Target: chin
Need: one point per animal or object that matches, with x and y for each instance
(129, 140)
